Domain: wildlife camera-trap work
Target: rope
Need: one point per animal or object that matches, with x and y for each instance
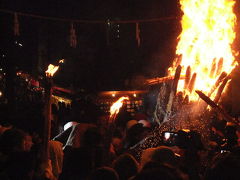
(89, 21)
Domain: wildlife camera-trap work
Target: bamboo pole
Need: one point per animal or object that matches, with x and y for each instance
(188, 77)
(172, 93)
(213, 68)
(192, 82)
(159, 112)
(221, 88)
(219, 66)
(219, 80)
(216, 107)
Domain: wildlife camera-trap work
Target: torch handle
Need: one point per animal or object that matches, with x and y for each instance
(47, 122)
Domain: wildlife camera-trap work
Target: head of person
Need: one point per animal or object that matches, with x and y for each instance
(104, 173)
(159, 171)
(15, 140)
(126, 166)
(224, 167)
(164, 154)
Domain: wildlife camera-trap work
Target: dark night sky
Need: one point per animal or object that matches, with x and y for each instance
(94, 64)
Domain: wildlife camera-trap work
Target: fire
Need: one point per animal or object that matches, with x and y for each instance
(51, 70)
(61, 61)
(114, 110)
(205, 43)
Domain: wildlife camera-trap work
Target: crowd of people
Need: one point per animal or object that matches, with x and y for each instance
(84, 146)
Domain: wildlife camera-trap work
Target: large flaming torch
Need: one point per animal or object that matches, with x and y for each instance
(205, 44)
(114, 110)
(48, 110)
(204, 52)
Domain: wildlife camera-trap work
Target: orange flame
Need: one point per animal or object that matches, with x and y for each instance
(51, 70)
(114, 110)
(205, 42)
(61, 61)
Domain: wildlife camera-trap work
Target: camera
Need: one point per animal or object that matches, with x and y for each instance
(224, 151)
(183, 138)
(169, 138)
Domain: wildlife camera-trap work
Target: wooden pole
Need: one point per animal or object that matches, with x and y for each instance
(159, 111)
(47, 122)
(219, 66)
(188, 77)
(192, 82)
(172, 93)
(216, 107)
(159, 80)
(219, 80)
(221, 88)
(213, 68)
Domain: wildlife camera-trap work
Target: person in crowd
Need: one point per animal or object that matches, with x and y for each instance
(104, 173)
(116, 146)
(19, 166)
(79, 162)
(15, 140)
(225, 166)
(146, 156)
(191, 144)
(161, 154)
(158, 171)
(56, 157)
(231, 137)
(17, 160)
(133, 135)
(126, 166)
(164, 155)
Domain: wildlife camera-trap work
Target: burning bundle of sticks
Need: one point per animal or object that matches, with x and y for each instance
(164, 108)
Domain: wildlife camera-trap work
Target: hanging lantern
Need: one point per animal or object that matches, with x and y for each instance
(16, 25)
(138, 34)
(73, 37)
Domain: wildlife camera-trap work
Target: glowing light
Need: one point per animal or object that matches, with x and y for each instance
(18, 43)
(113, 95)
(108, 22)
(61, 61)
(51, 70)
(114, 109)
(1, 93)
(134, 95)
(205, 42)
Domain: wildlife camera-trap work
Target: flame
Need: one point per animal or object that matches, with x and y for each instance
(205, 42)
(51, 70)
(114, 109)
(61, 61)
